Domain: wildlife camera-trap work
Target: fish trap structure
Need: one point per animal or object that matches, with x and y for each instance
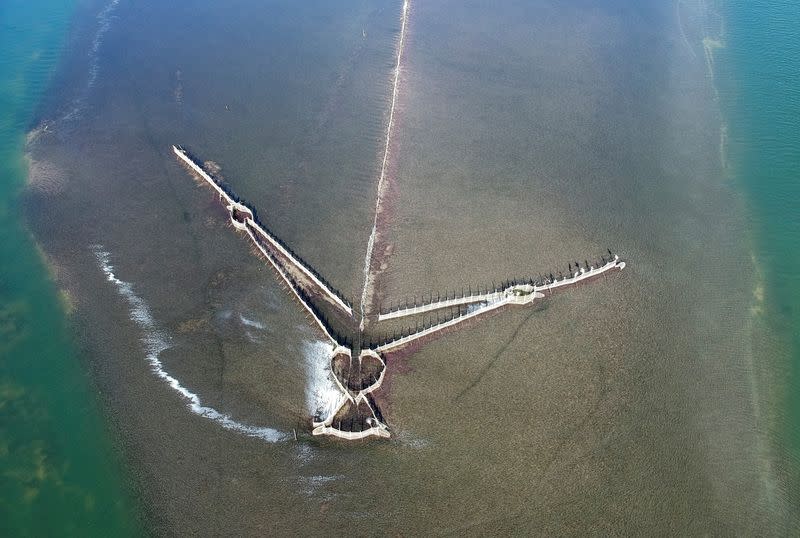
(357, 357)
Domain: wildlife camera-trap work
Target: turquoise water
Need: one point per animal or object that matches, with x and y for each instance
(59, 474)
(760, 89)
(647, 441)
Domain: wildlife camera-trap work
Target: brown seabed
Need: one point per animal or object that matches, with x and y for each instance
(357, 359)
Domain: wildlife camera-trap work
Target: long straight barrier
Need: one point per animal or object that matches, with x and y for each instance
(306, 271)
(583, 274)
(292, 287)
(577, 277)
(502, 298)
(334, 297)
(460, 301)
(400, 342)
(181, 153)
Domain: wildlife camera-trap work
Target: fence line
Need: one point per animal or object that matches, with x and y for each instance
(513, 289)
(233, 202)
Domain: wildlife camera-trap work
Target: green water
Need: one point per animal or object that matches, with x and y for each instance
(759, 76)
(58, 471)
(613, 457)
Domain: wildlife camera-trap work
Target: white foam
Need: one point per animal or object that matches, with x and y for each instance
(104, 19)
(104, 23)
(314, 486)
(156, 341)
(474, 307)
(411, 441)
(252, 323)
(323, 397)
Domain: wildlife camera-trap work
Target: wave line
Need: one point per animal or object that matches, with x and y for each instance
(155, 342)
(382, 177)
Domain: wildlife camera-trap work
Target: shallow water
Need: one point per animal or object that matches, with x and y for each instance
(528, 135)
(60, 469)
(758, 77)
